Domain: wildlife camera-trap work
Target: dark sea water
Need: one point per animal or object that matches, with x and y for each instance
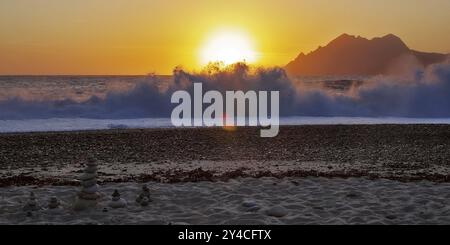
(78, 88)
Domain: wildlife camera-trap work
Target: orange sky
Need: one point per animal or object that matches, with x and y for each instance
(142, 36)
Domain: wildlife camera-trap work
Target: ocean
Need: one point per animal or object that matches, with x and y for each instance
(67, 103)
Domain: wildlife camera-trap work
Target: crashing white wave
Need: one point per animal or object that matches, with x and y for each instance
(420, 94)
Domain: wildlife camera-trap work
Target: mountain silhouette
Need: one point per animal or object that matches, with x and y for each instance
(350, 55)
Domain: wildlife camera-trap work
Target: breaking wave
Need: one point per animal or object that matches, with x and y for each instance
(420, 93)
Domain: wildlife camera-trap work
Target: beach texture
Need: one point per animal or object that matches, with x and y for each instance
(359, 174)
(246, 201)
(400, 152)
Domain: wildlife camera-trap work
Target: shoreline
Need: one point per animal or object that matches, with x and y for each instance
(60, 125)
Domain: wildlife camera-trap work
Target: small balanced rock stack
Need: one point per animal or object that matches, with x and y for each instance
(54, 203)
(31, 204)
(88, 196)
(116, 201)
(144, 197)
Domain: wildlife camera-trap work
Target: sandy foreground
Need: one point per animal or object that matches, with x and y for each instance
(265, 200)
(359, 174)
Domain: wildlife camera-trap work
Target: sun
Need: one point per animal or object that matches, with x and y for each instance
(228, 47)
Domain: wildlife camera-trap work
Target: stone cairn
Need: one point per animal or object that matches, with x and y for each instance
(88, 196)
(31, 204)
(116, 201)
(144, 197)
(53, 203)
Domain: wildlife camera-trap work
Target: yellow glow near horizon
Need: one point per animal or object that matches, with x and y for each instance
(228, 47)
(122, 37)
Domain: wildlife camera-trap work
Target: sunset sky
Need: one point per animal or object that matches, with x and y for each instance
(142, 36)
